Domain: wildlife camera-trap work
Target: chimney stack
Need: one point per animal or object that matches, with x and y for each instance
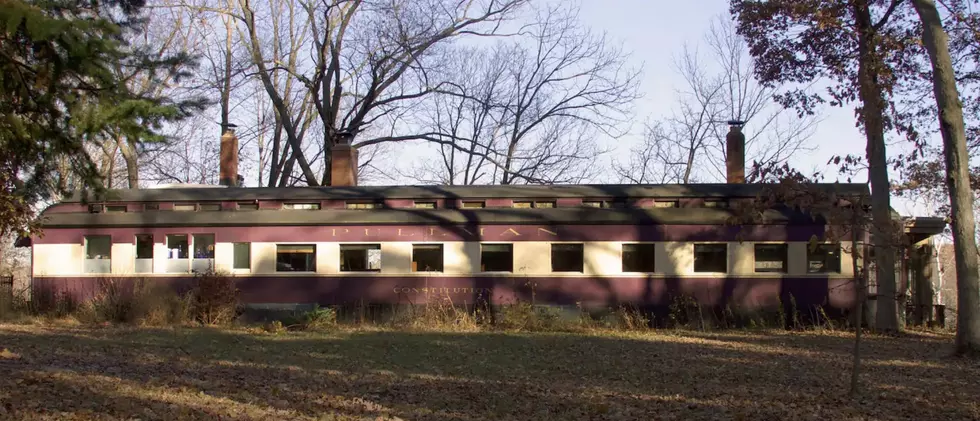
(343, 161)
(735, 152)
(228, 156)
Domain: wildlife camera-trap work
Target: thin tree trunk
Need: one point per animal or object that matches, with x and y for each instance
(860, 298)
(873, 111)
(957, 178)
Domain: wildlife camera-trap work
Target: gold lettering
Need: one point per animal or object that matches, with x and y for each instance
(481, 232)
(512, 231)
(404, 235)
(548, 231)
(366, 233)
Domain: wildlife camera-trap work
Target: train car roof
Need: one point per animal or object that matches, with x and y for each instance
(199, 193)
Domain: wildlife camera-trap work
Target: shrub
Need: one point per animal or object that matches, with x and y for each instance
(112, 302)
(274, 327)
(214, 298)
(524, 316)
(319, 318)
(50, 302)
(156, 304)
(440, 314)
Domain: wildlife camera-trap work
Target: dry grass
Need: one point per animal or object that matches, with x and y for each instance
(65, 372)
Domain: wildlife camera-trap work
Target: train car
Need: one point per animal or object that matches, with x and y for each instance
(581, 245)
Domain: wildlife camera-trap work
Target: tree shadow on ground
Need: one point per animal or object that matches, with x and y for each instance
(202, 373)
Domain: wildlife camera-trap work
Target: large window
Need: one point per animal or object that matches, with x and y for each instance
(301, 206)
(711, 257)
(178, 246)
(178, 253)
(296, 258)
(144, 253)
(185, 207)
(98, 251)
(241, 256)
(204, 246)
(425, 205)
(115, 208)
(474, 205)
(363, 205)
(825, 258)
(427, 258)
(771, 257)
(638, 258)
(496, 257)
(566, 258)
(360, 257)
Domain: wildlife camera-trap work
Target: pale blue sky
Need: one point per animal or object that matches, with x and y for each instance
(654, 32)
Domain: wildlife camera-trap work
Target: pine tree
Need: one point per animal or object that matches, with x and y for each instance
(58, 93)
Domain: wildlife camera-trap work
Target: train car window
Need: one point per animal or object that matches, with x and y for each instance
(771, 258)
(638, 258)
(523, 205)
(246, 206)
(824, 258)
(98, 253)
(203, 246)
(301, 206)
(566, 258)
(425, 205)
(210, 207)
(151, 207)
(665, 204)
(185, 207)
(711, 258)
(427, 257)
(144, 246)
(592, 203)
(474, 205)
(496, 257)
(241, 256)
(544, 205)
(360, 257)
(363, 205)
(716, 204)
(295, 257)
(115, 208)
(177, 246)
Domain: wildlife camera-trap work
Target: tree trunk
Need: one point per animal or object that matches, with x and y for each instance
(860, 297)
(872, 110)
(132, 164)
(957, 178)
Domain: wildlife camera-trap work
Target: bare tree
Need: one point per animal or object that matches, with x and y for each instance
(529, 111)
(347, 64)
(675, 148)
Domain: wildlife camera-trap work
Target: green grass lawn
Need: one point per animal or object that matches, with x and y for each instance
(51, 372)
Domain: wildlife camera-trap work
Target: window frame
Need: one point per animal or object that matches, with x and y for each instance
(838, 253)
(510, 250)
(86, 242)
(359, 246)
(234, 256)
(581, 255)
(653, 254)
(694, 262)
(302, 206)
(312, 261)
(362, 205)
(422, 246)
(755, 258)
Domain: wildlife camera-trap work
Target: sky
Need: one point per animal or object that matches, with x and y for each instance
(656, 31)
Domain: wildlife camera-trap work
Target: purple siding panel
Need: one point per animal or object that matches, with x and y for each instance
(355, 233)
(750, 293)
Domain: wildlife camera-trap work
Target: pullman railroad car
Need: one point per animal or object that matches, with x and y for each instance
(587, 245)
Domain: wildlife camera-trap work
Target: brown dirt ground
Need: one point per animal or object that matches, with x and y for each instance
(52, 372)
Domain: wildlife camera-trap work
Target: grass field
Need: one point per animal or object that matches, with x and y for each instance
(49, 372)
